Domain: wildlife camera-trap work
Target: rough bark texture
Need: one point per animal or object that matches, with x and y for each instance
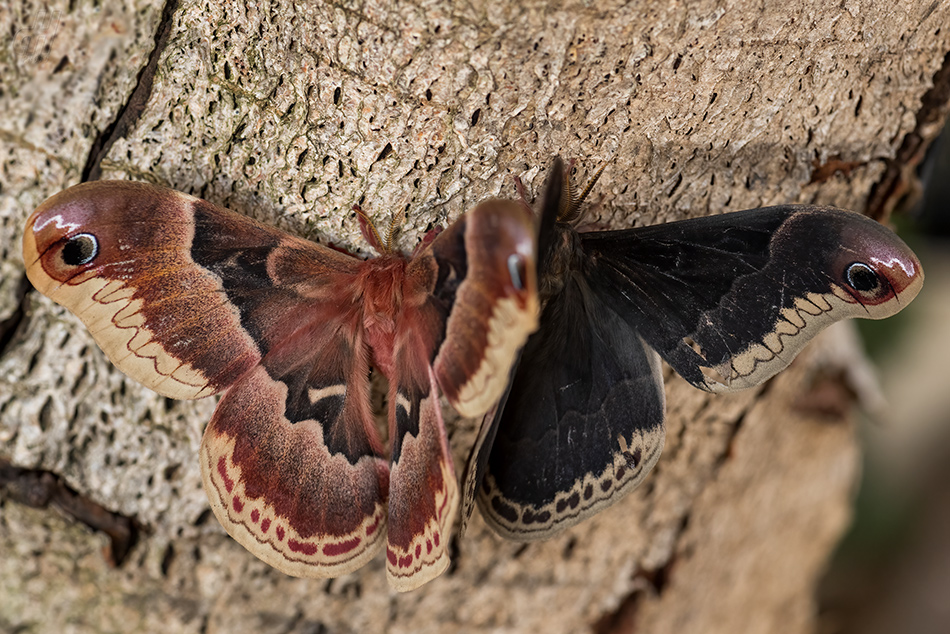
(294, 113)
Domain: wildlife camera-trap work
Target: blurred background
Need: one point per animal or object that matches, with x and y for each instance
(892, 570)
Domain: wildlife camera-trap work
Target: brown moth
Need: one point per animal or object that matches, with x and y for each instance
(191, 300)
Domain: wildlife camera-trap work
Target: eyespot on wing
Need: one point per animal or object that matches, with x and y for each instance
(118, 255)
(492, 258)
(876, 267)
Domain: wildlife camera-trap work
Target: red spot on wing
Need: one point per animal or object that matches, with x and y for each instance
(265, 525)
(405, 562)
(435, 537)
(237, 504)
(255, 515)
(306, 548)
(223, 471)
(372, 527)
(273, 478)
(391, 556)
(333, 550)
(418, 550)
(428, 546)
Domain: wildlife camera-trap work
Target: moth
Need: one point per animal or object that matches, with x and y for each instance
(727, 301)
(191, 300)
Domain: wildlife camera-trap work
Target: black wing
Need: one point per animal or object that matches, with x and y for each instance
(729, 300)
(583, 422)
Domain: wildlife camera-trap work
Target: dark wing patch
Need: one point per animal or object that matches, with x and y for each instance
(730, 300)
(583, 423)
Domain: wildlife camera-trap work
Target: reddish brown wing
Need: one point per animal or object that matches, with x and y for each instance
(190, 299)
(118, 255)
(469, 303)
(486, 266)
(423, 493)
(292, 469)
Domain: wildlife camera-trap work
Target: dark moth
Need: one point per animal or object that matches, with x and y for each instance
(727, 301)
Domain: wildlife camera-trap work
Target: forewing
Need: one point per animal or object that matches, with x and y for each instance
(176, 291)
(583, 422)
(730, 300)
(190, 299)
(485, 286)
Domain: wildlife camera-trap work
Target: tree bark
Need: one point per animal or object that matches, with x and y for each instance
(292, 114)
